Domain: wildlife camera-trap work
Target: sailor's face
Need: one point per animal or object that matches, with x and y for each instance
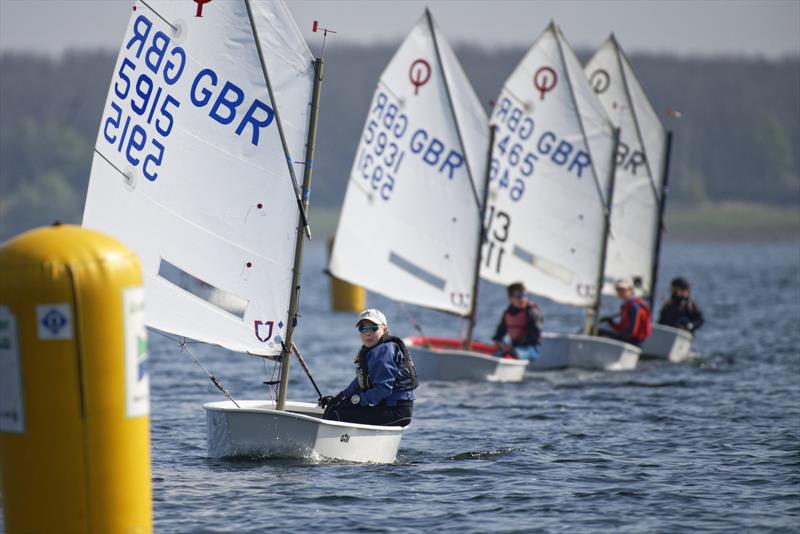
(370, 333)
(518, 299)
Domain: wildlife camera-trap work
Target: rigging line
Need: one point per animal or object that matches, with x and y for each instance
(526, 104)
(182, 343)
(287, 155)
(383, 84)
(112, 165)
(303, 364)
(452, 110)
(482, 238)
(272, 384)
(410, 319)
(157, 14)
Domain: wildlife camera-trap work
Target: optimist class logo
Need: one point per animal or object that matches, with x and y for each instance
(600, 80)
(419, 74)
(545, 80)
(200, 4)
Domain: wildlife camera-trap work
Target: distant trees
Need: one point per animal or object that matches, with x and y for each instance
(738, 137)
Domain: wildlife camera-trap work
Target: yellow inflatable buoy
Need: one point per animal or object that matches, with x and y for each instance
(74, 385)
(345, 296)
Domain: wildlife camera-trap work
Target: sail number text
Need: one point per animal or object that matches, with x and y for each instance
(146, 97)
(498, 224)
(520, 148)
(142, 81)
(388, 137)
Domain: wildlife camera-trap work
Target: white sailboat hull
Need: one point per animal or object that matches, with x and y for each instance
(441, 359)
(256, 428)
(668, 343)
(585, 352)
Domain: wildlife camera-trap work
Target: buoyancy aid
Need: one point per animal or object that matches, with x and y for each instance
(407, 379)
(642, 322)
(517, 324)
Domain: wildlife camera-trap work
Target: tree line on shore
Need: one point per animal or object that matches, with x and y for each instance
(737, 138)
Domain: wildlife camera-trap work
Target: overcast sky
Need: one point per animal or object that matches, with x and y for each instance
(769, 28)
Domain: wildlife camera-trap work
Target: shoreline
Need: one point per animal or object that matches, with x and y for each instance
(709, 221)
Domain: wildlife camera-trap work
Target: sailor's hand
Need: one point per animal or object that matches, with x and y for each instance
(328, 400)
(605, 319)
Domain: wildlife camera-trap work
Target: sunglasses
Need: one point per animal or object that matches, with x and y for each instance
(364, 328)
(518, 294)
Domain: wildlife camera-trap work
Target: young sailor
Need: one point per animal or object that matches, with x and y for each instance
(681, 311)
(634, 324)
(383, 390)
(520, 326)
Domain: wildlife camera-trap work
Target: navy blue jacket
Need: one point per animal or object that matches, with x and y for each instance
(382, 363)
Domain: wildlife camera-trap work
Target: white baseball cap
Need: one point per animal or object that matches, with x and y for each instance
(374, 316)
(623, 283)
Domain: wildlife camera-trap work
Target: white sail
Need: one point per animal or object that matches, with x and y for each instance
(550, 177)
(639, 180)
(410, 222)
(189, 169)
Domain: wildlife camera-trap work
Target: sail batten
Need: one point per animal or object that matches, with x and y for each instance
(189, 167)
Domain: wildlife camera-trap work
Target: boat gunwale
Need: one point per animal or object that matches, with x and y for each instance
(230, 407)
(462, 352)
(589, 338)
(679, 332)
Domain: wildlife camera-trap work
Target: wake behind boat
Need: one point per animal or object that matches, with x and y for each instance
(550, 194)
(193, 169)
(410, 227)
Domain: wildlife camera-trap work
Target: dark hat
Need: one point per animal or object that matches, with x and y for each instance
(680, 283)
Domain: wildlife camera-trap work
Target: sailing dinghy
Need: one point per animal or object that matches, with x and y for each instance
(410, 227)
(210, 108)
(550, 193)
(640, 189)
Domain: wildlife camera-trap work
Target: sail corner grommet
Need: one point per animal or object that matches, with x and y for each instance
(129, 179)
(179, 31)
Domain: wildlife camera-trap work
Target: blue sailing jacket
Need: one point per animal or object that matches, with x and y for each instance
(387, 384)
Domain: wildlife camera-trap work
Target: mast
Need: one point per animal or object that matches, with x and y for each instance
(660, 222)
(480, 203)
(300, 241)
(590, 326)
(481, 236)
(302, 202)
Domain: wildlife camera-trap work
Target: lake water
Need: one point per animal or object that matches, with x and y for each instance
(712, 445)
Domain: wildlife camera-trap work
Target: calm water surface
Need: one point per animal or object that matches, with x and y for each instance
(713, 445)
